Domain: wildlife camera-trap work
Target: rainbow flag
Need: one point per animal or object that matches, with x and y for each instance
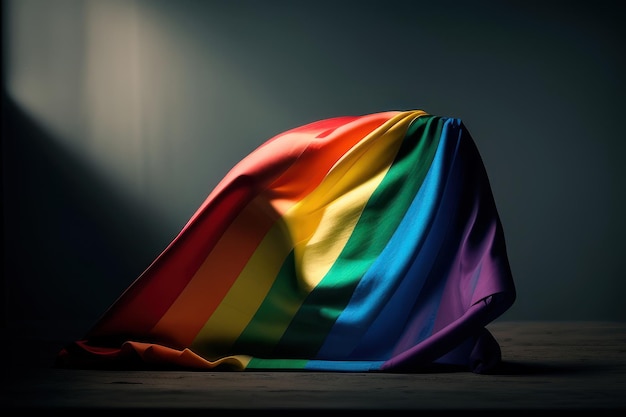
(360, 243)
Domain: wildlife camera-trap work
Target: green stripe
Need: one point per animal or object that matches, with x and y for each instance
(379, 220)
(257, 363)
(274, 314)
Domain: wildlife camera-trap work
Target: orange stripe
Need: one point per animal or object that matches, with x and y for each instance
(211, 282)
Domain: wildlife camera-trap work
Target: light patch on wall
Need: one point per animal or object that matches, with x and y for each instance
(112, 90)
(44, 61)
(75, 68)
(143, 92)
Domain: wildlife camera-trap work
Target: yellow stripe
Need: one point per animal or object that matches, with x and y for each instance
(237, 362)
(323, 222)
(247, 292)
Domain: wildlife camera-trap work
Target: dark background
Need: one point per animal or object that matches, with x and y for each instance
(120, 116)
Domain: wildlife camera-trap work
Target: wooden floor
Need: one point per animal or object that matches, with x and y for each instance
(556, 366)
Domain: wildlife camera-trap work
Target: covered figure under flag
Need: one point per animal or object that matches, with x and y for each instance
(359, 243)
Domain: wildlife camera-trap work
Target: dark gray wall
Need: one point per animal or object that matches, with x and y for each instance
(121, 116)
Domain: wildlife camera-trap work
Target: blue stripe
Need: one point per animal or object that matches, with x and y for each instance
(439, 256)
(384, 289)
(352, 366)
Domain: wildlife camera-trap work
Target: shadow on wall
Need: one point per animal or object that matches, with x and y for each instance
(72, 243)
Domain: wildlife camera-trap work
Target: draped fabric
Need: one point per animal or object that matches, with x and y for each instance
(361, 243)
